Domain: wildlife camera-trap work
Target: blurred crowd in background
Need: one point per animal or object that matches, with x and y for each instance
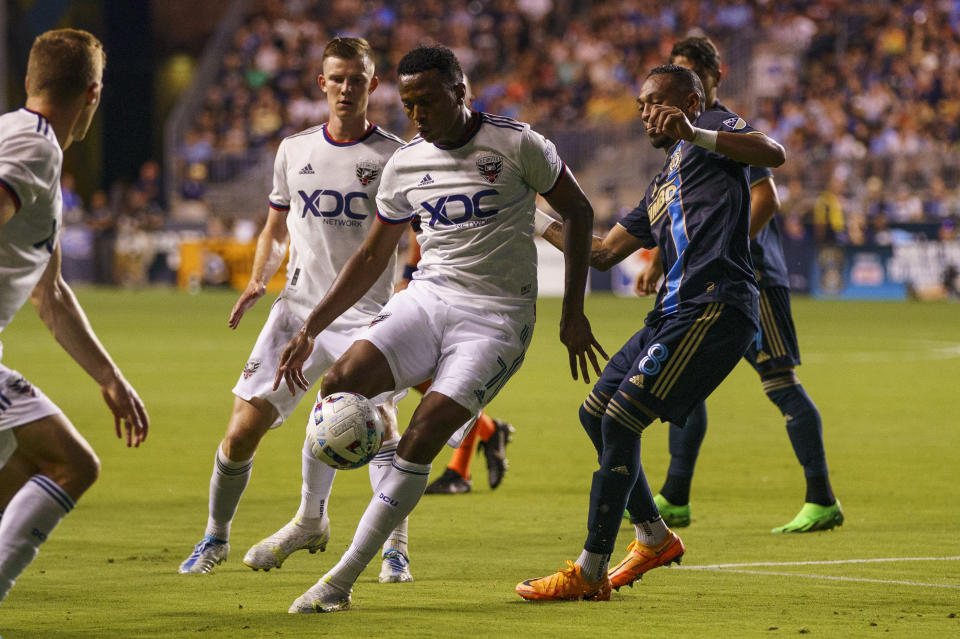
(865, 96)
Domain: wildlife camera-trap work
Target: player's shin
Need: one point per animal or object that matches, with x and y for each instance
(395, 497)
(227, 484)
(28, 520)
(315, 490)
(685, 441)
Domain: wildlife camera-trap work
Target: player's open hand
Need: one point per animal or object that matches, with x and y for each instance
(668, 120)
(129, 416)
(576, 335)
(294, 355)
(249, 297)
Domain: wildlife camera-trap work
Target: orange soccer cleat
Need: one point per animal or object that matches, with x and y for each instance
(566, 584)
(641, 559)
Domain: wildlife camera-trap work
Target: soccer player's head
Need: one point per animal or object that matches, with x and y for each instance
(432, 90)
(700, 55)
(347, 77)
(670, 85)
(65, 68)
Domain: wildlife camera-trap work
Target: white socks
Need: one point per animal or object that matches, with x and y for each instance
(651, 532)
(227, 484)
(593, 566)
(315, 490)
(396, 495)
(28, 520)
(379, 467)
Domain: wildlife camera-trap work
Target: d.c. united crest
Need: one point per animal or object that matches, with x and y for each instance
(367, 171)
(490, 167)
(252, 367)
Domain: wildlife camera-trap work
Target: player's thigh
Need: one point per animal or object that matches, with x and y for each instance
(686, 358)
(401, 346)
(52, 446)
(775, 346)
(618, 368)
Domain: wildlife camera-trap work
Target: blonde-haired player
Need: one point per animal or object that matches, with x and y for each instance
(46, 463)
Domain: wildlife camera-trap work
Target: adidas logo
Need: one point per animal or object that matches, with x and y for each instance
(307, 170)
(637, 380)
(620, 470)
(426, 180)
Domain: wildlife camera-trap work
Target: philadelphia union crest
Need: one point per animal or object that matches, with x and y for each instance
(490, 167)
(367, 171)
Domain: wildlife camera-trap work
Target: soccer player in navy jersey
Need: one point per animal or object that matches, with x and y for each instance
(773, 354)
(697, 210)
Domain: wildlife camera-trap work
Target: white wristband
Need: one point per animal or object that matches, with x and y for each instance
(705, 138)
(541, 222)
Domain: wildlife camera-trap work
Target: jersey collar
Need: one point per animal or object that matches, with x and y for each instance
(367, 134)
(472, 131)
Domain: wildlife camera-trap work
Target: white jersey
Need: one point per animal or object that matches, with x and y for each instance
(30, 164)
(329, 190)
(475, 201)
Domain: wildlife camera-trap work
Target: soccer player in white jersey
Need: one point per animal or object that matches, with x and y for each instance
(323, 201)
(466, 319)
(46, 463)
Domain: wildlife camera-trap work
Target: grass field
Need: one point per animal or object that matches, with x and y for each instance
(885, 376)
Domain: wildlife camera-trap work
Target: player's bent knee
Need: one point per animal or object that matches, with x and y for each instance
(362, 369)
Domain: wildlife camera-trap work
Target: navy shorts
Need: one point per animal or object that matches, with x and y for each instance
(775, 345)
(668, 368)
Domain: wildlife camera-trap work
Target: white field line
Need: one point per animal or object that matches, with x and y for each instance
(738, 569)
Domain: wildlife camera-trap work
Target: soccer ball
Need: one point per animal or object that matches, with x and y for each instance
(345, 430)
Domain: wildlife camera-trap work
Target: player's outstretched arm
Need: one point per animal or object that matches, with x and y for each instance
(58, 308)
(605, 251)
(568, 200)
(754, 148)
(357, 276)
(271, 248)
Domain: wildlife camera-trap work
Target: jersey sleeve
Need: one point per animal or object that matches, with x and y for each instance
(393, 207)
(540, 165)
(29, 166)
(280, 195)
(637, 224)
(717, 120)
(759, 174)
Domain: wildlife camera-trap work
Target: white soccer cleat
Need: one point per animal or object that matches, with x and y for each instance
(271, 552)
(322, 597)
(208, 553)
(395, 568)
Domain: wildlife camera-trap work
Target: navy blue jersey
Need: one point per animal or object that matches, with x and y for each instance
(697, 210)
(765, 249)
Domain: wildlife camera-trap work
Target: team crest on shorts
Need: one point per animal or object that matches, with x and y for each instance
(490, 167)
(367, 171)
(379, 318)
(251, 367)
(22, 386)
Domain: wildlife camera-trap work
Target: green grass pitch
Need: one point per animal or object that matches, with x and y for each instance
(886, 377)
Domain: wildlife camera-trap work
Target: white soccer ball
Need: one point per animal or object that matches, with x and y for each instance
(345, 430)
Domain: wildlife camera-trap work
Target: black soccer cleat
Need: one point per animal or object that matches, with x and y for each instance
(495, 450)
(449, 483)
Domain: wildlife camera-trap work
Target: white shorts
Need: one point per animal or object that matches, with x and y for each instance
(20, 403)
(258, 374)
(469, 354)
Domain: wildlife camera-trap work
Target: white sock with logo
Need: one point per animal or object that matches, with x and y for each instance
(315, 491)
(28, 520)
(227, 483)
(396, 495)
(379, 467)
(652, 531)
(593, 566)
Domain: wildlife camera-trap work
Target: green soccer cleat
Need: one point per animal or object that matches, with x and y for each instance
(813, 517)
(673, 516)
